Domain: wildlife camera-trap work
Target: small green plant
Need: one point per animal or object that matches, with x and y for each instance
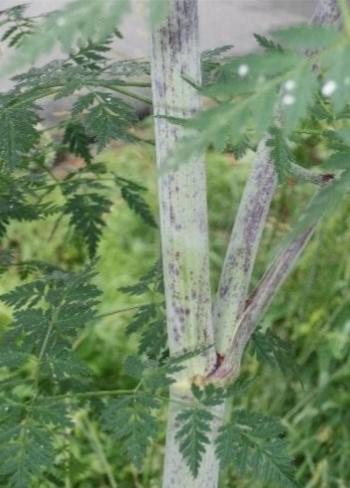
(191, 344)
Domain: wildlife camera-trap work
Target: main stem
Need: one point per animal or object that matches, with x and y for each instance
(184, 227)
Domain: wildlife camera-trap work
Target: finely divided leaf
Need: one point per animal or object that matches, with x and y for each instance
(131, 193)
(66, 28)
(280, 153)
(18, 133)
(132, 420)
(194, 425)
(86, 215)
(78, 141)
(271, 349)
(252, 443)
(110, 118)
(267, 43)
(323, 203)
(25, 452)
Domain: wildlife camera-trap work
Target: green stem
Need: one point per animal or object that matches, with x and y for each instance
(126, 92)
(121, 310)
(95, 394)
(97, 447)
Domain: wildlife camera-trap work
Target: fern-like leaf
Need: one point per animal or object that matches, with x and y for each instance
(131, 193)
(66, 29)
(152, 280)
(271, 349)
(86, 215)
(192, 436)
(132, 420)
(19, 26)
(110, 118)
(25, 452)
(281, 155)
(78, 141)
(18, 133)
(253, 444)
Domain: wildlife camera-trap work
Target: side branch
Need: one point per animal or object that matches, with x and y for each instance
(234, 325)
(260, 299)
(243, 246)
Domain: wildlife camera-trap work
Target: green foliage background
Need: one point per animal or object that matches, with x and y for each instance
(312, 310)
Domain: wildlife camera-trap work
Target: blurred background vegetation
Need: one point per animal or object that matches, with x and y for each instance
(312, 312)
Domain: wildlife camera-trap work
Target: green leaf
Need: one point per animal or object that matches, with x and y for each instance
(86, 215)
(25, 452)
(75, 24)
(252, 443)
(92, 55)
(306, 37)
(152, 373)
(264, 111)
(153, 339)
(83, 103)
(152, 280)
(323, 203)
(109, 119)
(20, 26)
(268, 64)
(77, 140)
(194, 425)
(267, 43)
(276, 352)
(24, 295)
(338, 160)
(131, 420)
(240, 148)
(18, 133)
(15, 200)
(131, 193)
(296, 102)
(134, 366)
(142, 317)
(280, 153)
(59, 306)
(336, 83)
(150, 323)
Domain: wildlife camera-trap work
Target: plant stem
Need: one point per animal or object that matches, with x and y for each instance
(243, 247)
(121, 310)
(262, 296)
(326, 13)
(182, 191)
(234, 326)
(124, 91)
(184, 227)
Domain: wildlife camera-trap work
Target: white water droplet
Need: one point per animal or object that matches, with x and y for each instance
(288, 99)
(290, 85)
(329, 88)
(243, 70)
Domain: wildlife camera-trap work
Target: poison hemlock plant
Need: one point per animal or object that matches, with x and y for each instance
(190, 343)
